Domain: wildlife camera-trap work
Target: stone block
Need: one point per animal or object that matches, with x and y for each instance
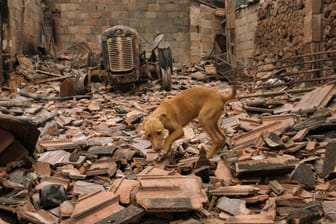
(150, 15)
(121, 14)
(205, 24)
(180, 37)
(153, 7)
(69, 7)
(195, 37)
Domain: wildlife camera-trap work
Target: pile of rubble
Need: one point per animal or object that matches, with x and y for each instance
(83, 160)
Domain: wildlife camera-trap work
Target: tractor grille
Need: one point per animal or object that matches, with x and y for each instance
(120, 54)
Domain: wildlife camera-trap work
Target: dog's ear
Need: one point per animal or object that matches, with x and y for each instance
(163, 118)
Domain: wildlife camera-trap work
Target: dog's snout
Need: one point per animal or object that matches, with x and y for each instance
(157, 149)
(156, 146)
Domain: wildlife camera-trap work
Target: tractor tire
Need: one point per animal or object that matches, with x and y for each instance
(166, 78)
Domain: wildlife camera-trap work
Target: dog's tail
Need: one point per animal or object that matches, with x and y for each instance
(228, 96)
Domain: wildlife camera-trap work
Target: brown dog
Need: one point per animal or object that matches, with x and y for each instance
(173, 114)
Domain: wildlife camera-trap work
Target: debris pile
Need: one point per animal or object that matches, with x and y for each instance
(90, 163)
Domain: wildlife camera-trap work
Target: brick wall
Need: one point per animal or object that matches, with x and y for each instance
(83, 21)
(204, 25)
(189, 27)
(246, 25)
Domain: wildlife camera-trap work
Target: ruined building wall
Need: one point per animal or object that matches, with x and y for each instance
(329, 31)
(21, 32)
(246, 25)
(204, 25)
(83, 21)
(25, 26)
(280, 30)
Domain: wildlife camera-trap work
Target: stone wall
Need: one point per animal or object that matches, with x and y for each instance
(84, 21)
(246, 25)
(280, 30)
(329, 22)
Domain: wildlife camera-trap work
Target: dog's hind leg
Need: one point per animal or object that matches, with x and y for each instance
(216, 142)
(220, 136)
(209, 127)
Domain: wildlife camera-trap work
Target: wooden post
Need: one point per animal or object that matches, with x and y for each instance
(230, 6)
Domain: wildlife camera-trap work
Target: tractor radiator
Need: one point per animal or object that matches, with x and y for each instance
(120, 53)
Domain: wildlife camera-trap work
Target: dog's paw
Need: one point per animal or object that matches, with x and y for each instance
(161, 156)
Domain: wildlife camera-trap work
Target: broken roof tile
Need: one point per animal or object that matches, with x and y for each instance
(170, 193)
(95, 207)
(315, 99)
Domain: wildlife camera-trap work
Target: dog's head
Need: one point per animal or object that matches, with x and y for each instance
(154, 131)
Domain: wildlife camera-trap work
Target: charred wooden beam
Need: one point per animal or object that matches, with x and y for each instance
(298, 63)
(258, 109)
(298, 57)
(286, 74)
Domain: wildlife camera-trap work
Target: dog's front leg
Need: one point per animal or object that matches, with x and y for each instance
(174, 134)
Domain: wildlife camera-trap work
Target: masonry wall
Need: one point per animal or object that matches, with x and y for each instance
(246, 25)
(280, 30)
(21, 32)
(84, 21)
(204, 25)
(329, 21)
(25, 26)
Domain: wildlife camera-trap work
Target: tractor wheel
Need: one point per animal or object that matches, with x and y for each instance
(166, 78)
